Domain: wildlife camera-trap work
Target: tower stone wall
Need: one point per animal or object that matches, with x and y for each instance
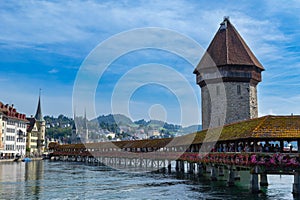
(228, 102)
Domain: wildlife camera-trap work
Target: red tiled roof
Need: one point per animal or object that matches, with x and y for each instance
(228, 48)
(11, 112)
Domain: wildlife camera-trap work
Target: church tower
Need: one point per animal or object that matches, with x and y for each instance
(40, 122)
(85, 129)
(228, 74)
(74, 131)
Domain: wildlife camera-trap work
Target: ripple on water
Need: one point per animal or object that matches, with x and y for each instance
(65, 180)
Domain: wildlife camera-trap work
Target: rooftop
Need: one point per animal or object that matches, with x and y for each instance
(11, 112)
(228, 48)
(264, 128)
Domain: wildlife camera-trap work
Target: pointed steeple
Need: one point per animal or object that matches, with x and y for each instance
(228, 48)
(74, 125)
(85, 120)
(85, 129)
(38, 115)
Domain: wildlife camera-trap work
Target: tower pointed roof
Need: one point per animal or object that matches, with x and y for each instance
(38, 115)
(228, 48)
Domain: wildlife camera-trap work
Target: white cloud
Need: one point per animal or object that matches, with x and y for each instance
(53, 71)
(74, 27)
(89, 22)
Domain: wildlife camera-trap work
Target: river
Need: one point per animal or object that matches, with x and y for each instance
(67, 180)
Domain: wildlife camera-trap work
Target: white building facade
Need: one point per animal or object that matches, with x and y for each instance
(13, 132)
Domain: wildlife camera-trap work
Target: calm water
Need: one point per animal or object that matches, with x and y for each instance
(66, 180)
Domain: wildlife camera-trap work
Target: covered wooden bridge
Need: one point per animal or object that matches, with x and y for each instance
(265, 145)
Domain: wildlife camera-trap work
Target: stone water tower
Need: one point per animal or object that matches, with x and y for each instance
(228, 74)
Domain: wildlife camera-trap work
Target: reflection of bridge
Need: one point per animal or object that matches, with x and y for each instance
(243, 146)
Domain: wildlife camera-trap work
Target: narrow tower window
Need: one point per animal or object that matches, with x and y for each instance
(218, 90)
(238, 89)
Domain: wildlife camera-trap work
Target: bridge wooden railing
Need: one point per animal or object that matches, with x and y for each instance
(268, 160)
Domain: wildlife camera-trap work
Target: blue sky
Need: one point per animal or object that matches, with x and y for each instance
(44, 43)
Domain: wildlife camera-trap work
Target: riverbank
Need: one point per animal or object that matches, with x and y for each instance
(12, 160)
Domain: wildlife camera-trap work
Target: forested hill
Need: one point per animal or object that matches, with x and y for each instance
(121, 125)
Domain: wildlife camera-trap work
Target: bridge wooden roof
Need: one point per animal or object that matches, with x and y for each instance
(263, 128)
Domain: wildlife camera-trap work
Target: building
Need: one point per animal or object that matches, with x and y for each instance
(36, 132)
(228, 74)
(74, 133)
(80, 131)
(75, 138)
(85, 134)
(12, 132)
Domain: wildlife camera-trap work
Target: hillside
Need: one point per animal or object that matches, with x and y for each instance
(113, 119)
(117, 127)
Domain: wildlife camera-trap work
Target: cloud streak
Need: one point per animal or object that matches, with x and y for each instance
(64, 30)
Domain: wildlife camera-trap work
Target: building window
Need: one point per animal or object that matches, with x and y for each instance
(218, 90)
(238, 89)
(9, 122)
(10, 130)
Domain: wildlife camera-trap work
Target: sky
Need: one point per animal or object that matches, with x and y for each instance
(46, 44)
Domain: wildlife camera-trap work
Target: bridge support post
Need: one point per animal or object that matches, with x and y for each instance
(152, 164)
(221, 171)
(177, 166)
(191, 168)
(254, 188)
(200, 169)
(231, 177)
(157, 165)
(213, 173)
(182, 166)
(169, 166)
(141, 162)
(296, 184)
(163, 169)
(263, 179)
(146, 164)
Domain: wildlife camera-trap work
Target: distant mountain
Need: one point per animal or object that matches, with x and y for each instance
(118, 119)
(189, 129)
(121, 125)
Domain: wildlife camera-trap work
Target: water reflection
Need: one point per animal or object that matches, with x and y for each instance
(34, 172)
(65, 180)
(18, 179)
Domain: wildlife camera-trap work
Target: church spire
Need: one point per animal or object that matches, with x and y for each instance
(38, 115)
(85, 120)
(85, 128)
(74, 125)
